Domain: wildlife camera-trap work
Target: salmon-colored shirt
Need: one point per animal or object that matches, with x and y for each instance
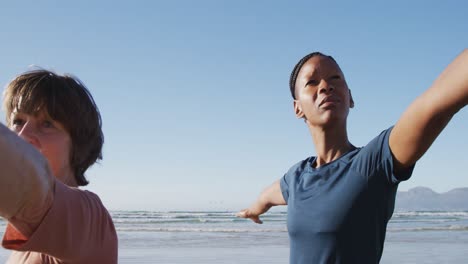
(49, 222)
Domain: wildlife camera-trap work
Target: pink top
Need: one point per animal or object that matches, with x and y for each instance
(49, 222)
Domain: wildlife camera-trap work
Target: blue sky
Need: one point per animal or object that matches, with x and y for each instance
(194, 94)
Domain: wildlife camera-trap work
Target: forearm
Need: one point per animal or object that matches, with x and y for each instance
(450, 89)
(25, 179)
(269, 197)
(260, 206)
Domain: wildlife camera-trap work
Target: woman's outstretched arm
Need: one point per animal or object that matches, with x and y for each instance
(428, 115)
(25, 181)
(271, 196)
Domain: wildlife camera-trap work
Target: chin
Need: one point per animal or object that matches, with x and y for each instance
(330, 120)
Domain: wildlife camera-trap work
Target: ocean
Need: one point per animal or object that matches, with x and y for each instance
(219, 237)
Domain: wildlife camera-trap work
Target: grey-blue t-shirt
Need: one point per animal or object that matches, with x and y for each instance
(338, 213)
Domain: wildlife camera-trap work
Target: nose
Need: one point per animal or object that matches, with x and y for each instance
(29, 133)
(325, 87)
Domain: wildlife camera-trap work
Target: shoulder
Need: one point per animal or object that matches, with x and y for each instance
(291, 177)
(301, 166)
(297, 170)
(79, 204)
(79, 208)
(376, 148)
(76, 198)
(376, 159)
(381, 140)
(81, 215)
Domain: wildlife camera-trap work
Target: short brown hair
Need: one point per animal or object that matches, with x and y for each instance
(66, 100)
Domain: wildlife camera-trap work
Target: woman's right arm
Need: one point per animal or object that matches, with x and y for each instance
(271, 196)
(26, 182)
(66, 223)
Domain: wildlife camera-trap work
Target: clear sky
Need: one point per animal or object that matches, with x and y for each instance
(194, 94)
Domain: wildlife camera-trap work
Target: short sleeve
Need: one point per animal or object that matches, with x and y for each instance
(285, 187)
(289, 180)
(376, 160)
(76, 229)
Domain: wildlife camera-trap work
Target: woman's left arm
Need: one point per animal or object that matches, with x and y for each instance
(428, 115)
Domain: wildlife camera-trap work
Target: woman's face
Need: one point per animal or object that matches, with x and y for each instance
(322, 94)
(47, 136)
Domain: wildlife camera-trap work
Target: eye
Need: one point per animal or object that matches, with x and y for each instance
(312, 82)
(47, 124)
(17, 123)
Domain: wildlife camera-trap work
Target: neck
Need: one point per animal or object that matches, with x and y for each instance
(330, 142)
(68, 179)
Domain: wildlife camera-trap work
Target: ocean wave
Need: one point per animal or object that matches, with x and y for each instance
(173, 221)
(185, 217)
(198, 230)
(430, 228)
(431, 213)
(198, 221)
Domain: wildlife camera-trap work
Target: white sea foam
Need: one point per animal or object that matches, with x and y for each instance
(199, 230)
(431, 213)
(150, 221)
(432, 228)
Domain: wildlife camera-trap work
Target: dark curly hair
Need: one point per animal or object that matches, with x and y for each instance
(297, 69)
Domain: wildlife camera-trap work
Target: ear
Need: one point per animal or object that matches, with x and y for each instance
(298, 109)
(351, 101)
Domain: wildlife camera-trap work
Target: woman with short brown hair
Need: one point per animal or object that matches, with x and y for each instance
(56, 137)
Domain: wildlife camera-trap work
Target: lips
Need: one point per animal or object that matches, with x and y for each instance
(329, 100)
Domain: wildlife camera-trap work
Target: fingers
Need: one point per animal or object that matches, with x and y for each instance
(244, 213)
(257, 220)
(247, 214)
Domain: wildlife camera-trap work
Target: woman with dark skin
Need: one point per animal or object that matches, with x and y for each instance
(340, 201)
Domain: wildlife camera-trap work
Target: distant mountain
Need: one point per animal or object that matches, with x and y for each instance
(425, 199)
